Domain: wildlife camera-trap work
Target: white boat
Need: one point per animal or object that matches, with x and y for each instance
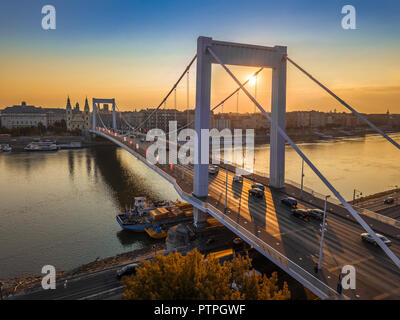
(71, 145)
(5, 148)
(42, 146)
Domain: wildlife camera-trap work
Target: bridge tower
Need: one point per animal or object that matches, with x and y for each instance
(244, 55)
(98, 101)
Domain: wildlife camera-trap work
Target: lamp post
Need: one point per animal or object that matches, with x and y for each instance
(302, 177)
(226, 186)
(322, 234)
(354, 194)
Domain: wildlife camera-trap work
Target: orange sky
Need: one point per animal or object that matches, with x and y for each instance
(47, 80)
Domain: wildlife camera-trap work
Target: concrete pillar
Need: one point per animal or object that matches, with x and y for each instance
(200, 218)
(94, 116)
(278, 114)
(114, 117)
(202, 115)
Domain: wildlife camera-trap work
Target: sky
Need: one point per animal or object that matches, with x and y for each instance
(134, 51)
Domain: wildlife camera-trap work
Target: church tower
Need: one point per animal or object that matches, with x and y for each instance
(69, 114)
(86, 115)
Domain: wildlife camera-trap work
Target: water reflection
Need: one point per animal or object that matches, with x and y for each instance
(59, 208)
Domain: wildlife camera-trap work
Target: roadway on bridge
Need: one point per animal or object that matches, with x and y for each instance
(376, 275)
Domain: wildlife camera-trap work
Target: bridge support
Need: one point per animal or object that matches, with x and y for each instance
(94, 112)
(114, 117)
(245, 55)
(278, 114)
(98, 101)
(202, 117)
(200, 218)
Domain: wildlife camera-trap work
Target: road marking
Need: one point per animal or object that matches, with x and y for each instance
(351, 263)
(387, 294)
(101, 293)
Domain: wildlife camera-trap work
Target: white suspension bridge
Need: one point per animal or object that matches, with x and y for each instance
(292, 244)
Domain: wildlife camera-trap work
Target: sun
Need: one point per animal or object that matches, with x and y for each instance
(252, 80)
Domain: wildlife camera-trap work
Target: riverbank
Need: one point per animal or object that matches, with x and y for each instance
(325, 134)
(19, 143)
(25, 284)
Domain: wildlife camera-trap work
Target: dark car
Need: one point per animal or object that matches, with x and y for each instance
(368, 238)
(317, 214)
(290, 202)
(388, 200)
(258, 186)
(301, 214)
(128, 270)
(255, 192)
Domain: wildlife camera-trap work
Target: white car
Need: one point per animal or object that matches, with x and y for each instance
(213, 169)
(368, 238)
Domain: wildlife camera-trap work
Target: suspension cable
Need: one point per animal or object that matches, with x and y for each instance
(282, 132)
(169, 93)
(345, 104)
(237, 90)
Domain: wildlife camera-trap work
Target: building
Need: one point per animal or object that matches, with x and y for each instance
(19, 116)
(76, 119)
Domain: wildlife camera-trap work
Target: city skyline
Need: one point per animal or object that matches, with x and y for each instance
(123, 50)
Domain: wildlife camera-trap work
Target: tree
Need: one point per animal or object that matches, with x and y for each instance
(192, 276)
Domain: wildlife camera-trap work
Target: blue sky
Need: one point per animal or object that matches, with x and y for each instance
(161, 35)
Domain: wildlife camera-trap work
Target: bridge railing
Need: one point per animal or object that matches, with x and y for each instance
(365, 212)
(285, 263)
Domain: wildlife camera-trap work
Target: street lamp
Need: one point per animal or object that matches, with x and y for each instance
(354, 194)
(302, 176)
(323, 225)
(226, 186)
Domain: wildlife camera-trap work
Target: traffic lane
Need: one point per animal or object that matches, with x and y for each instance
(77, 288)
(351, 249)
(233, 187)
(236, 196)
(377, 204)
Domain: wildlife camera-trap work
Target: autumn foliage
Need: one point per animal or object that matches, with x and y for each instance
(194, 277)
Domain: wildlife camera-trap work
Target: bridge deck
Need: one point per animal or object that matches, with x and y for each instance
(289, 242)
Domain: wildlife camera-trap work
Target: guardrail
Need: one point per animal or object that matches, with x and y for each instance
(362, 211)
(317, 286)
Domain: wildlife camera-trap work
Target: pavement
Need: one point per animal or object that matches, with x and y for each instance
(376, 275)
(378, 205)
(95, 286)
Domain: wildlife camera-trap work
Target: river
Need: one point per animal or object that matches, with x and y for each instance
(59, 208)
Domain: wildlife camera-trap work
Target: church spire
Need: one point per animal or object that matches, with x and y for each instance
(86, 104)
(68, 103)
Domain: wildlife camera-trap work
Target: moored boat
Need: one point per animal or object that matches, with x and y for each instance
(156, 232)
(41, 146)
(5, 148)
(146, 214)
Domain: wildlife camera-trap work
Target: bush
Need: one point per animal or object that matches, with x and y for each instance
(192, 276)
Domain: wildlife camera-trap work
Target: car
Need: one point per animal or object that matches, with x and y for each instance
(388, 200)
(317, 214)
(128, 270)
(290, 202)
(300, 213)
(213, 169)
(368, 238)
(255, 192)
(259, 186)
(142, 140)
(238, 178)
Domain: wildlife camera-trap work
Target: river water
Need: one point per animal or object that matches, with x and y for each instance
(59, 208)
